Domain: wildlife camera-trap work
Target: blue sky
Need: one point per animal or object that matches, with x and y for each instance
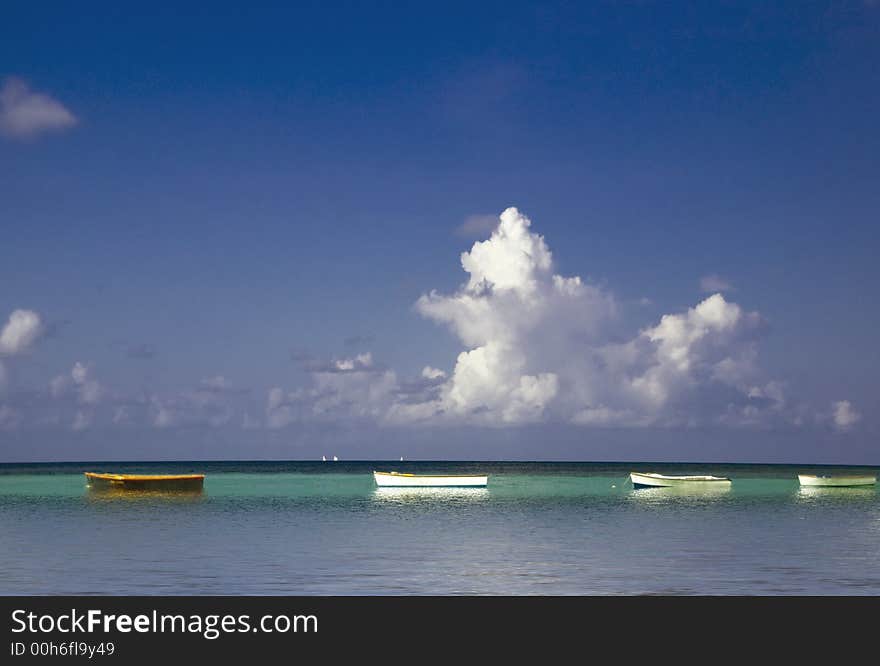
(203, 207)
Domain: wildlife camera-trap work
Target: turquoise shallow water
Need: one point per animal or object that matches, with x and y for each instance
(540, 528)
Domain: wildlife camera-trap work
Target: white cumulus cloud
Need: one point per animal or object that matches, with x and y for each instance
(538, 347)
(79, 382)
(26, 113)
(515, 317)
(711, 342)
(20, 332)
(845, 415)
(88, 389)
(535, 346)
(344, 388)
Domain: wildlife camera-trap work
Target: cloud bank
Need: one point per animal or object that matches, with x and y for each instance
(25, 113)
(536, 346)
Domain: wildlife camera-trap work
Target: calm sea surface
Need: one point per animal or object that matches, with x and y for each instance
(540, 528)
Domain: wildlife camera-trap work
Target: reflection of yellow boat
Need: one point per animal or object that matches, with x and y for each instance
(143, 482)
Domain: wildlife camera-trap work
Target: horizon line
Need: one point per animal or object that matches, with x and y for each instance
(435, 460)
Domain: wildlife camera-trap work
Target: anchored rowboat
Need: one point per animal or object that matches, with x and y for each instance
(841, 481)
(653, 480)
(399, 480)
(190, 482)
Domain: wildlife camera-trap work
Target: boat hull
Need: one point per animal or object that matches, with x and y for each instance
(851, 481)
(397, 480)
(146, 482)
(645, 480)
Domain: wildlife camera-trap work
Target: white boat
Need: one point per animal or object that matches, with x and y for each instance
(400, 480)
(654, 480)
(837, 481)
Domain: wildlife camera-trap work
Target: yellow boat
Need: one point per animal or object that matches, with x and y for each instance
(161, 482)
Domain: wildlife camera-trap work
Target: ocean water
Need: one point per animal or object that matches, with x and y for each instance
(539, 528)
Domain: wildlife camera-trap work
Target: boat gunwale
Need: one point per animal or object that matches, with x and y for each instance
(695, 478)
(143, 477)
(433, 476)
(837, 476)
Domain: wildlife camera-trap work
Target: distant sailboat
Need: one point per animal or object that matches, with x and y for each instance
(323, 458)
(401, 458)
(335, 458)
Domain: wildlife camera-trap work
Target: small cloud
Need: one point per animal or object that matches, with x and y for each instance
(711, 284)
(477, 226)
(79, 372)
(359, 362)
(88, 390)
(845, 415)
(213, 403)
(20, 332)
(25, 113)
(432, 373)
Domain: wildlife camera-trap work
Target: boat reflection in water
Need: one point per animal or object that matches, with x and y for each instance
(836, 494)
(391, 495)
(698, 492)
(134, 496)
